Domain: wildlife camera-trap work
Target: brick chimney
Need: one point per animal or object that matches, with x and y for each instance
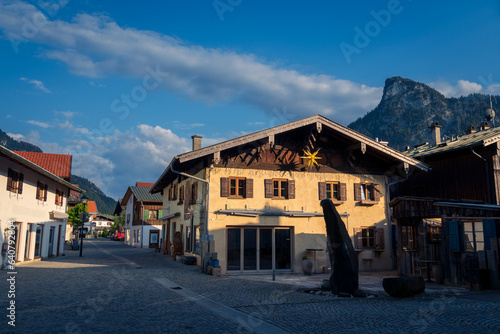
(196, 142)
(470, 129)
(435, 134)
(485, 126)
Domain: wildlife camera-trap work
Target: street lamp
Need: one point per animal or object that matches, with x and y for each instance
(83, 217)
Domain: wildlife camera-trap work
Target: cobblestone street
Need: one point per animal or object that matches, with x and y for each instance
(114, 288)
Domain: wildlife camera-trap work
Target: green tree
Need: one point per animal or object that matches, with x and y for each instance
(119, 222)
(74, 215)
(104, 233)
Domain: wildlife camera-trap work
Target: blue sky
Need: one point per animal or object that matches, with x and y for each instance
(122, 86)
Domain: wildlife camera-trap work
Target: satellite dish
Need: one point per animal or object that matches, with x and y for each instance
(489, 115)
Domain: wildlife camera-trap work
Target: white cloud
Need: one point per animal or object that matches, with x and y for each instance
(256, 123)
(96, 46)
(118, 160)
(37, 83)
(16, 136)
(44, 125)
(68, 126)
(462, 88)
(67, 114)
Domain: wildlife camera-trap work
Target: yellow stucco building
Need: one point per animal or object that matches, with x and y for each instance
(263, 194)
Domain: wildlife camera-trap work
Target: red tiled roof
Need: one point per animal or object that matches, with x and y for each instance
(57, 164)
(144, 184)
(72, 191)
(92, 208)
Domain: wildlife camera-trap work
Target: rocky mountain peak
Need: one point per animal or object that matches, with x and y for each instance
(407, 108)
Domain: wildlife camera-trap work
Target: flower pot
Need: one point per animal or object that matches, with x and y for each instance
(307, 267)
(216, 271)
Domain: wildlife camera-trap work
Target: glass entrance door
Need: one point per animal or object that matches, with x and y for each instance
(283, 249)
(38, 241)
(51, 241)
(259, 249)
(266, 249)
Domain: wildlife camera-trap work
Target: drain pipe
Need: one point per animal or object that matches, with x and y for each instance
(488, 186)
(388, 196)
(207, 199)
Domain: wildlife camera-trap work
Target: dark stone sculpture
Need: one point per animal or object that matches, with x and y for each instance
(343, 257)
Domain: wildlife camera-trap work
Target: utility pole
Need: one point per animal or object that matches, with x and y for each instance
(83, 217)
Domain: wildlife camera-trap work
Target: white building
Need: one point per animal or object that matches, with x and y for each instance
(142, 216)
(34, 201)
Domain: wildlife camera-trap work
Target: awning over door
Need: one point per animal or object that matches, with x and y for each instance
(57, 215)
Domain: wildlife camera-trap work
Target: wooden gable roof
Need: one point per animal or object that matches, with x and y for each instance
(287, 143)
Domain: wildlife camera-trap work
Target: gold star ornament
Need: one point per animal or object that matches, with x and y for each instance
(310, 158)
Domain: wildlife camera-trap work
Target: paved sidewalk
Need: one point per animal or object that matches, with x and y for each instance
(370, 282)
(117, 289)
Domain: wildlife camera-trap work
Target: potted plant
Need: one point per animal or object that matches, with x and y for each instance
(307, 265)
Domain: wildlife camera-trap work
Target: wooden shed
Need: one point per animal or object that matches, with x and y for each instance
(460, 238)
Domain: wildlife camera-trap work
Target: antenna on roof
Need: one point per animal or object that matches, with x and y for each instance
(489, 114)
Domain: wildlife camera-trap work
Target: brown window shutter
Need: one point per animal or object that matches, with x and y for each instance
(9, 179)
(291, 189)
(38, 186)
(379, 238)
(224, 187)
(187, 193)
(195, 192)
(45, 192)
(268, 187)
(343, 192)
(322, 190)
(249, 188)
(357, 191)
(358, 242)
(20, 183)
(376, 192)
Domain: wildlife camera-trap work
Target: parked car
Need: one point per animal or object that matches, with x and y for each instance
(119, 235)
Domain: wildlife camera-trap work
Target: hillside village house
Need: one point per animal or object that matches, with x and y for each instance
(101, 222)
(59, 165)
(92, 210)
(263, 193)
(449, 217)
(90, 224)
(143, 212)
(35, 200)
